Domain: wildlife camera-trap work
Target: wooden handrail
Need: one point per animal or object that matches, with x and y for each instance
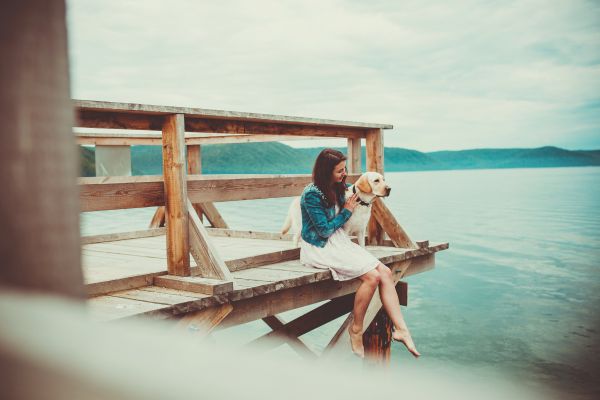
(121, 192)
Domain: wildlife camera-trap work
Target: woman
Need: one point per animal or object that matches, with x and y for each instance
(324, 245)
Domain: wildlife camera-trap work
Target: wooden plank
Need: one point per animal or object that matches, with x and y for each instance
(111, 193)
(105, 308)
(202, 322)
(176, 212)
(198, 124)
(209, 262)
(104, 107)
(194, 161)
(263, 259)
(153, 296)
(354, 156)
(115, 285)
(374, 152)
(194, 284)
(150, 139)
(390, 225)
(295, 342)
(112, 237)
(158, 219)
(248, 234)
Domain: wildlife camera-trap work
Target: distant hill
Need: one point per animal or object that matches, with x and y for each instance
(278, 158)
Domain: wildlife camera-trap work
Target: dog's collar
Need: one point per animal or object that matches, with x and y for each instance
(362, 203)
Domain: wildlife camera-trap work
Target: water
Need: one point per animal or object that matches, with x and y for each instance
(515, 295)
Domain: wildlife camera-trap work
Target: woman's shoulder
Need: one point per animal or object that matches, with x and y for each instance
(312, 188)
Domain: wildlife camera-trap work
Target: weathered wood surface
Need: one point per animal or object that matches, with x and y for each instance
(103, 107)
(206, 255)
(112, 237)
(176, 211)
(388, 223)
(353, 164)
(110, 193)
(271, 289)
(138, 139)
(374, 153)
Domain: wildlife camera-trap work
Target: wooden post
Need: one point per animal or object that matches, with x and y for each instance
(354, 156)
(194, 167)
(207, 209)
(377, 339)
(374, 147)
(38, 157)
(176, 213)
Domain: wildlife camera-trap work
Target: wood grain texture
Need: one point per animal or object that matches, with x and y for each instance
(374, 153)
(390, 225)
(112, 237)
(87, 106)
(354, 156)
(210, 263)
(194, 284)
(112, 193)
(176, 212)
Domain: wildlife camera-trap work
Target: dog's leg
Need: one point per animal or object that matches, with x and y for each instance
(361, 237)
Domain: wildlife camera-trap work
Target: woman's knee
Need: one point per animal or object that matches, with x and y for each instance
(372, 277)
(384, 272)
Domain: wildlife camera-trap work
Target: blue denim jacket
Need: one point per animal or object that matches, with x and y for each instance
(318, 220)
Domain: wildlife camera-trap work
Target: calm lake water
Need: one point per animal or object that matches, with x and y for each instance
(515, 296)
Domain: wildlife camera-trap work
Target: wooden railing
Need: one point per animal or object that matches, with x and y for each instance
(187, 194)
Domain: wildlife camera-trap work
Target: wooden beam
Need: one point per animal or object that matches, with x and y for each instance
(205, 254)
(295, 342)
(387, 221)
(195, 124)
(374, 152)
(263, 259)
(313, 319)
(113, 237)
(213, 215)
(249, 234)
(149, 139)
(111, 193)
(149, 109)
(354, 156)
(158, 219)
(194, 159)
(176, 215)
(194, 284)
(201, 323)
(253, 308)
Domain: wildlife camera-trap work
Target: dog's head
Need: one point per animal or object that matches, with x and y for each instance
(373, 182)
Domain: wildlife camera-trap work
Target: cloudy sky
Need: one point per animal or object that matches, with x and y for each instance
(446, 74)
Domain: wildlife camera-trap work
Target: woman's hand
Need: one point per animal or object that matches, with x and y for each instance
(351, 202)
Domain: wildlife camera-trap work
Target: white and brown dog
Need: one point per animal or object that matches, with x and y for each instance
(369, 186)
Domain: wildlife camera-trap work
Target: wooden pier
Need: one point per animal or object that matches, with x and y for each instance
(206, 278)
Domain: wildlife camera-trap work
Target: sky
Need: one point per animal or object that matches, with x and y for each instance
(447, 75)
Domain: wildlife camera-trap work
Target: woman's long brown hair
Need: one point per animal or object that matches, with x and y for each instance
(322, 172)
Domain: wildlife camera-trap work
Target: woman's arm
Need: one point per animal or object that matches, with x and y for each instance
(316, 213)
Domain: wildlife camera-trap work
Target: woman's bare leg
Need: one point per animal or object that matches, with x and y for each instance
(391, 304)
(362, 298)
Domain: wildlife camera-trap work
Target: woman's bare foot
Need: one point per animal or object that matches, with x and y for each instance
(356, 341)
(403, 335)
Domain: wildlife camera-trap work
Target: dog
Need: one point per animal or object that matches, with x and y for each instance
(369, 186)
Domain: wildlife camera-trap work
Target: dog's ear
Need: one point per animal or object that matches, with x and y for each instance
(363, 184)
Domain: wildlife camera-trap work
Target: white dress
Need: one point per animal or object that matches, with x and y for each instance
(346, 259)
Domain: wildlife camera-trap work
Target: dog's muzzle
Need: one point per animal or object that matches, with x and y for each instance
(387, 191)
